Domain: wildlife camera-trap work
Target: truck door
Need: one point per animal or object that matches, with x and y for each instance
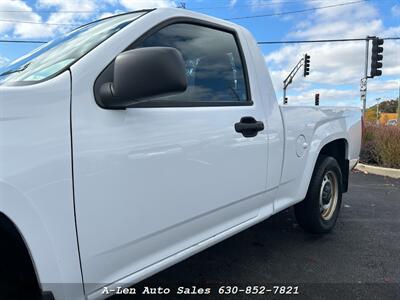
(151, 181)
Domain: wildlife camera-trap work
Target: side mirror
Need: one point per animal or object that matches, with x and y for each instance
(142, 73)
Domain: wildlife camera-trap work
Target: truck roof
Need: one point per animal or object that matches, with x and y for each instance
(174, 12)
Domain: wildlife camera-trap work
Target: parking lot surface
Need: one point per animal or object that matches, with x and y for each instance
(360, 259)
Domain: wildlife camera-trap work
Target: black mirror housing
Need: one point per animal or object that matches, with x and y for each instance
(143, 73)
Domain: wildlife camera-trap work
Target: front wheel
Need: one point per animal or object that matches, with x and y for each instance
(318, 212)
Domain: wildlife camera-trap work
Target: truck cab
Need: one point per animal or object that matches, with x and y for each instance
(138, 140)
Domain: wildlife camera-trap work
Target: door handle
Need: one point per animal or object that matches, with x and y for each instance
(249, 127)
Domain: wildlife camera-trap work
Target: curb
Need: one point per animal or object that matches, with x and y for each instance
(393, 173)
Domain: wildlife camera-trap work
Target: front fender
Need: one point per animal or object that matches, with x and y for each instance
(36, 188)
(25, 217)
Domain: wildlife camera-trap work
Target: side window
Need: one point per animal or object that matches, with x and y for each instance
(214, 68)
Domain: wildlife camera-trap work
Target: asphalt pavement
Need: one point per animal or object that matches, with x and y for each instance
(360, 259)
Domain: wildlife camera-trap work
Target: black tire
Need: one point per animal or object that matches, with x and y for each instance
(17, 280)
(315, 214)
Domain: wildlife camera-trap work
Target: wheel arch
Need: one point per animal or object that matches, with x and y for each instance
(336, 146)
(23, 221)
(338, 149)
(18, 247)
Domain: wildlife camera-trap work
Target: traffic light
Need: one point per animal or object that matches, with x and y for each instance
(316, 99)
(306, 65)
(376, 58)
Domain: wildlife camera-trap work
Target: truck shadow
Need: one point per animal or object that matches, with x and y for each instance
(252, 257)
(357, 260)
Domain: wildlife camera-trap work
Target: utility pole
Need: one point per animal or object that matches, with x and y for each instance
(376, 66)
(398, 107)
(363, 86)
(377, 110)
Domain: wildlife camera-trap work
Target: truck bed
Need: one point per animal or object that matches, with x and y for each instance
(306, 129)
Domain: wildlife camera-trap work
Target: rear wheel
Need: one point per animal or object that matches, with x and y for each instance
(318, 212)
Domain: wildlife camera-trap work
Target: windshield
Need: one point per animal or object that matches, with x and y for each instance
(57, 55)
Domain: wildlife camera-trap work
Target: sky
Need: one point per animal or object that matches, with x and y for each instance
(336, 68)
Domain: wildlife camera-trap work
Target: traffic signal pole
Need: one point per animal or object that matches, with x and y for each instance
(398, 108)
(364, 80)
(304, 61)
(289, 79)
(376, 66)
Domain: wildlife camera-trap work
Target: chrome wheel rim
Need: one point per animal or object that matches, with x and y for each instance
(328, 196)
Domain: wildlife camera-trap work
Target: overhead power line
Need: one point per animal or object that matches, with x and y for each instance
(41, 23)
(297, 11)
(22, 41)
(233, 18)
(321, 41)
(259, 4)
(259, 42)
(52, 11)
(269, 3)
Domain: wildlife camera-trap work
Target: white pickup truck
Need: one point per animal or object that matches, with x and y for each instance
(138, 140)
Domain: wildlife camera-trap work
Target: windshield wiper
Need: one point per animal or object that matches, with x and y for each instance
(15, 71)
